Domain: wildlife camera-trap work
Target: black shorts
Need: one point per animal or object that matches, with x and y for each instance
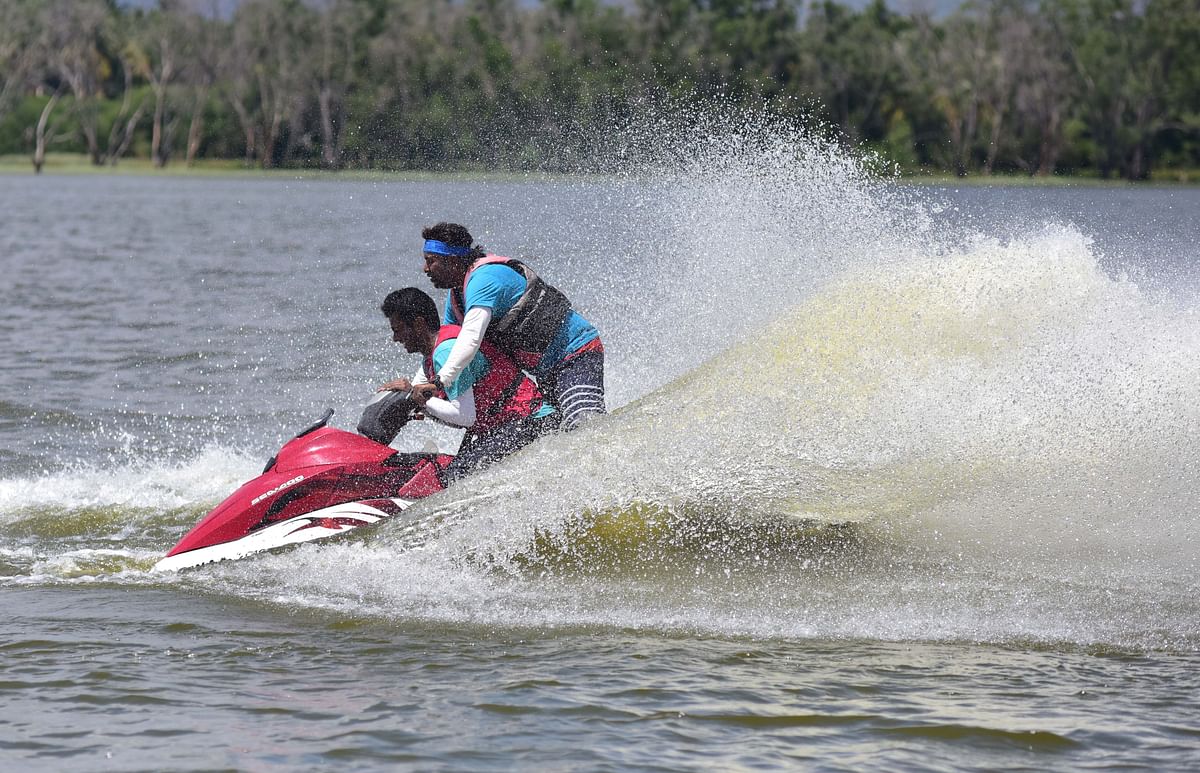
(576, 388)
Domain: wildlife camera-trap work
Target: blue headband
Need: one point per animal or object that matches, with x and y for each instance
(441, 248)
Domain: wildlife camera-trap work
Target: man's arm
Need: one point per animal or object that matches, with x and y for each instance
(466, 346)
(459, 412)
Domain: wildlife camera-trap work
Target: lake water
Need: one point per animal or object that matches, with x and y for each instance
(900, 478)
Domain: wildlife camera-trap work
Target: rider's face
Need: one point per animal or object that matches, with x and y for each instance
(444, 271)
(412, 335)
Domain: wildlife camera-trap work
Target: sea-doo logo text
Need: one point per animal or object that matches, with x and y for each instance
(276, 490)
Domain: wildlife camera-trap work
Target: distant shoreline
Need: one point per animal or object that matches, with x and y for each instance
(79, 165)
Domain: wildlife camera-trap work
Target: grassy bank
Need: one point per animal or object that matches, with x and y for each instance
(1161, 177)
(80, 164)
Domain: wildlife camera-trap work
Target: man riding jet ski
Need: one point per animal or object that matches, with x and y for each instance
(500, 407)
(326, 481)
(504, 302)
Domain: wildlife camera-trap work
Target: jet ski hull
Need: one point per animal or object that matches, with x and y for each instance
(327, 522)
(322, 483)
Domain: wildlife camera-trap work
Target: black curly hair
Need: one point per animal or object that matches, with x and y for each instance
(455, 235)
(409, 304)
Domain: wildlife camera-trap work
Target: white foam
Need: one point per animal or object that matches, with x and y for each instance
(138, 482)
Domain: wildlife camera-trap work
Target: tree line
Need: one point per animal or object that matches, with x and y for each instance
(1104, 87)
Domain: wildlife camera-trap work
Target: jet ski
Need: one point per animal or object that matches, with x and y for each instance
(323, 482)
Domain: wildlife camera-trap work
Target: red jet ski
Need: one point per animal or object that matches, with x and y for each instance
(323, 482)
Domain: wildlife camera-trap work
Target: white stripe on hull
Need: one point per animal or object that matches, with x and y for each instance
(290, 532)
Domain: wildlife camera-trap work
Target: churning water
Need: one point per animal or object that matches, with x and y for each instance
(901, 476)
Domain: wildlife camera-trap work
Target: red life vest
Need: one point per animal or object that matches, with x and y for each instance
(502, 395)
(528, 328)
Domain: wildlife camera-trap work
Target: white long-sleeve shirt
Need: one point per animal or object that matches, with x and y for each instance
(466, 345)
(459, 412)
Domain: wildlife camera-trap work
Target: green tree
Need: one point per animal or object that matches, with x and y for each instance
(853, 64)
(19, 52)
(265, 74)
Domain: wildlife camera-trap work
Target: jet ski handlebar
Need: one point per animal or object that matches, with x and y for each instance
(386, 415)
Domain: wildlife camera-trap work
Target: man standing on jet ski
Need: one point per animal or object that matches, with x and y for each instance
(500, 407)
(502, 301)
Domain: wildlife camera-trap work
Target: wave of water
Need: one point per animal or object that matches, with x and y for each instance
(913, 431)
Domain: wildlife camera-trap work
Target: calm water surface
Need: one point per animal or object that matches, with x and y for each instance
(920, 466)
